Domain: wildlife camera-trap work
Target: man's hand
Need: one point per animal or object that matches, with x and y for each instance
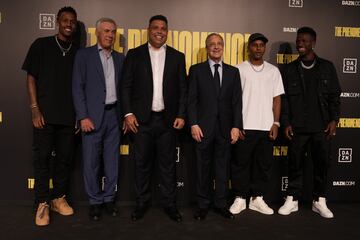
(273, 132)
(37, 118)
(235, 134)
(77, 129)
(289, 132)
(86, 125)
(330, 130)
(179, 123)
(242, 135)
(130, 124)
(196, 133)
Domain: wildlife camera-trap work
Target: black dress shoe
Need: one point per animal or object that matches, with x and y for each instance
(95, 212)
(111, 209)
(224, 212)
(173, 214)
(201, 213)
(138, 213)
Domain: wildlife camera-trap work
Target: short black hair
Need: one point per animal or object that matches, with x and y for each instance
(307, 30)
(158, 17)
(66, 9)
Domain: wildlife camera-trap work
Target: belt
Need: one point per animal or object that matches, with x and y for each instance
(157, 113)
(110, 106)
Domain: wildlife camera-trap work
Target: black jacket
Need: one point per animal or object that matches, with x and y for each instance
(137, 85)
(328, 92)
(206, 106)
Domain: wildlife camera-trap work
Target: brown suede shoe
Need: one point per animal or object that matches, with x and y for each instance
(61, 206)
(42, 217)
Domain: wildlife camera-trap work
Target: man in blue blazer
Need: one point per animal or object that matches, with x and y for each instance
(96, 78)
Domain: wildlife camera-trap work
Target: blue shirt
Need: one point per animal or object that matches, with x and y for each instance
(109, 74)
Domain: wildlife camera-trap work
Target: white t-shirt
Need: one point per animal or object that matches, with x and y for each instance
(258, 90)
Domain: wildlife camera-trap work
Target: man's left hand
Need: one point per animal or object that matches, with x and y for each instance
(179, 123)
(330, 130)
(235, 133)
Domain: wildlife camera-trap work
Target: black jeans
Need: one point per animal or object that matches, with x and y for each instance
(60, 139)
(251, 164)
(320, 154)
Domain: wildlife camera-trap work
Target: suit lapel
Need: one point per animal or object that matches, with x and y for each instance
(98, 63)
(148, 61)
(166, 66)
(225, 76)
(211, 77)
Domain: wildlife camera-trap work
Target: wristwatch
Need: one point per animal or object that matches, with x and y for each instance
(277, 124)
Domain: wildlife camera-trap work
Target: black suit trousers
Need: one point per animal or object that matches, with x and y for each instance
(212, 158)
(155, 142)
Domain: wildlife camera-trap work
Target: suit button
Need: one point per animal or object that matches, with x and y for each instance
(103, 102)
(104, 90)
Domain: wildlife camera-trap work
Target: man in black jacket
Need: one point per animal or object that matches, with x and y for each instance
(153, 97)
(310, 112)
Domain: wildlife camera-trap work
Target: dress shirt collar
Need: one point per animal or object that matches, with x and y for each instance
(101, 48)
(163, 47)
(212, 63)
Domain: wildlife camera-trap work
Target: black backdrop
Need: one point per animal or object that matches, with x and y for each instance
(337, 25)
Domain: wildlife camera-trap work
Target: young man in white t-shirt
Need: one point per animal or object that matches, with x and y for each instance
(261, 89)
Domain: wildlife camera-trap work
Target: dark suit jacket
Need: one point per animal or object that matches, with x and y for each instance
(137, 84)
(89, 90)
(205, 106)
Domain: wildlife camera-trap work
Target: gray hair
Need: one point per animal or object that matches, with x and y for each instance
(211, 35)
(104, 19)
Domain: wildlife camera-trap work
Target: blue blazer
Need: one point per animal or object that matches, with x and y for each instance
(88, 86)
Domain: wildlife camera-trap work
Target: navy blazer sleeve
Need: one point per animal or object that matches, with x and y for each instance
(237, 101)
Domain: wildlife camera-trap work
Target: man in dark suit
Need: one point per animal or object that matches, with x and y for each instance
(97, 70)
(215, 117)
(153, 97)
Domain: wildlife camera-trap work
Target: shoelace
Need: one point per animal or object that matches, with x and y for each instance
(43, 207)
(263, 203)
(63, 202)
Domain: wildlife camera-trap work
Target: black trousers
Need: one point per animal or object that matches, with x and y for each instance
(251, 164)
(51, 138)
(319, 148)
(155, 139)
(212, 160)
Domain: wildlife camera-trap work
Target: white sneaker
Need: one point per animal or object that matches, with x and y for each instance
(258, 204)
(321, 208)
(289, 206)
(238, 205)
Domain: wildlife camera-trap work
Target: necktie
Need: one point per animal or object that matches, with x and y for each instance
(217, 77)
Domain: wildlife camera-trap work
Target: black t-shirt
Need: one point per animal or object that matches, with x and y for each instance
(52, 71)
(313, 117)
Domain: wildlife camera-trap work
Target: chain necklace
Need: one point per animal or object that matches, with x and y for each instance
(253, 67)
(308, 67)
(63, 50)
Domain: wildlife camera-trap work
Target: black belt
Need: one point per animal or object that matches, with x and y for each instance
(157, 113)
(110, 106)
